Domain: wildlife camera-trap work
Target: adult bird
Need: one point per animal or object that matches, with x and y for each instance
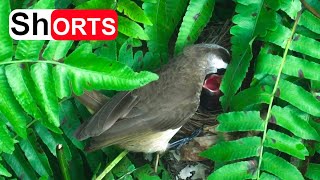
(145, 119)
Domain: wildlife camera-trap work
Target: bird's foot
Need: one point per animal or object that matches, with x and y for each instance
(179, 143)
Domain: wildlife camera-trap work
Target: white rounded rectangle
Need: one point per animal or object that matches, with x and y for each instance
(30, 24)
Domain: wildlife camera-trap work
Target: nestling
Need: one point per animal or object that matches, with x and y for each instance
(145, 119)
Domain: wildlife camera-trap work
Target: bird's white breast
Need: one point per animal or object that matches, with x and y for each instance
(155, 142)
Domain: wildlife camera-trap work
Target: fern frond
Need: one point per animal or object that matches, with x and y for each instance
(197, 16)
(133, 11)
(6, 46)
(131, 28)
(240, 121)
(253, 19)
(286, 63)
(239, 170)
(164, 15)
(126, 53)
(280, 167)
(30, 49)
(37, 160)
(285, 143)
(97, 4)
(10, 108)
(313, 171)
(56, 50)
(19, 164)
(225, 151)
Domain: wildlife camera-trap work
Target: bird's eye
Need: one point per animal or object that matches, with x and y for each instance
(221, 71)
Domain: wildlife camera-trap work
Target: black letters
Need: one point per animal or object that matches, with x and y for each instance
(25, 25)
(35, 24)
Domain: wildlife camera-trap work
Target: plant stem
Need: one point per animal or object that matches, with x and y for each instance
(284, 57)
(62, 162)
(112, 164)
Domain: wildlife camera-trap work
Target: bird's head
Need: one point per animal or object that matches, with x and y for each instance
(217, 59)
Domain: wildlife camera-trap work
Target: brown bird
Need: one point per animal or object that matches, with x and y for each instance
(145, 119)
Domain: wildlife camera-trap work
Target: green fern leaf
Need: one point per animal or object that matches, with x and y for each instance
(10, 108)
(267, 176)
(56, 50)
(121, 38)
(70, 122)
(30, 49)
(4, 171)
(109, 50)
(225, 151)
(77, 167)
(160, 32)
(168, 14)
(251, 96)
(280, 167)
(100, 74)
(6, 46)
(126, 53)
(285, 143)
(94, 159)
(133, 11)
(175, 9)
(294, 66)
(299, 44)
(240, 121)
(151, 60)
(253, 19)
(35, 156)
(52, 140)
(310, 104)
(313, 171)
(19, 164)
(236, 171)
(46, 96)
(61, 83)
(137, 61)
(97, 4)
(23, 88)
(145, 172)
(131, 28)
(197, 16)
(6, 141)
(310, 21)
(290, 7)
(286, 119)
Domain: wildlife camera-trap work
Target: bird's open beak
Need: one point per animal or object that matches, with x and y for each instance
(212, 83)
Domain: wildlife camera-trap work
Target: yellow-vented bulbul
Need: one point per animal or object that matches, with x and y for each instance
(145, 119)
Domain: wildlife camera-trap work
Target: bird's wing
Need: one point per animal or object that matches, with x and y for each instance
(117, 107)
(139, 127)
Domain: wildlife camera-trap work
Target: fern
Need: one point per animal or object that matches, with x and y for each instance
(133, 11)
(286, 62)
(196, 17)
(6, 46)
(37, 83)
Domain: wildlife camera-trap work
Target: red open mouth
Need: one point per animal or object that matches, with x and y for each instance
(212, 83)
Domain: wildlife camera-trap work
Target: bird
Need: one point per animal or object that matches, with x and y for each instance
(145, 119)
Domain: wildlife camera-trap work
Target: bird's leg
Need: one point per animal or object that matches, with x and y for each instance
(156, 162)
(179, 143)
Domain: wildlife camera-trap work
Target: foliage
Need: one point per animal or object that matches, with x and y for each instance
(280, 109)
(38, 114)
(276, 117)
